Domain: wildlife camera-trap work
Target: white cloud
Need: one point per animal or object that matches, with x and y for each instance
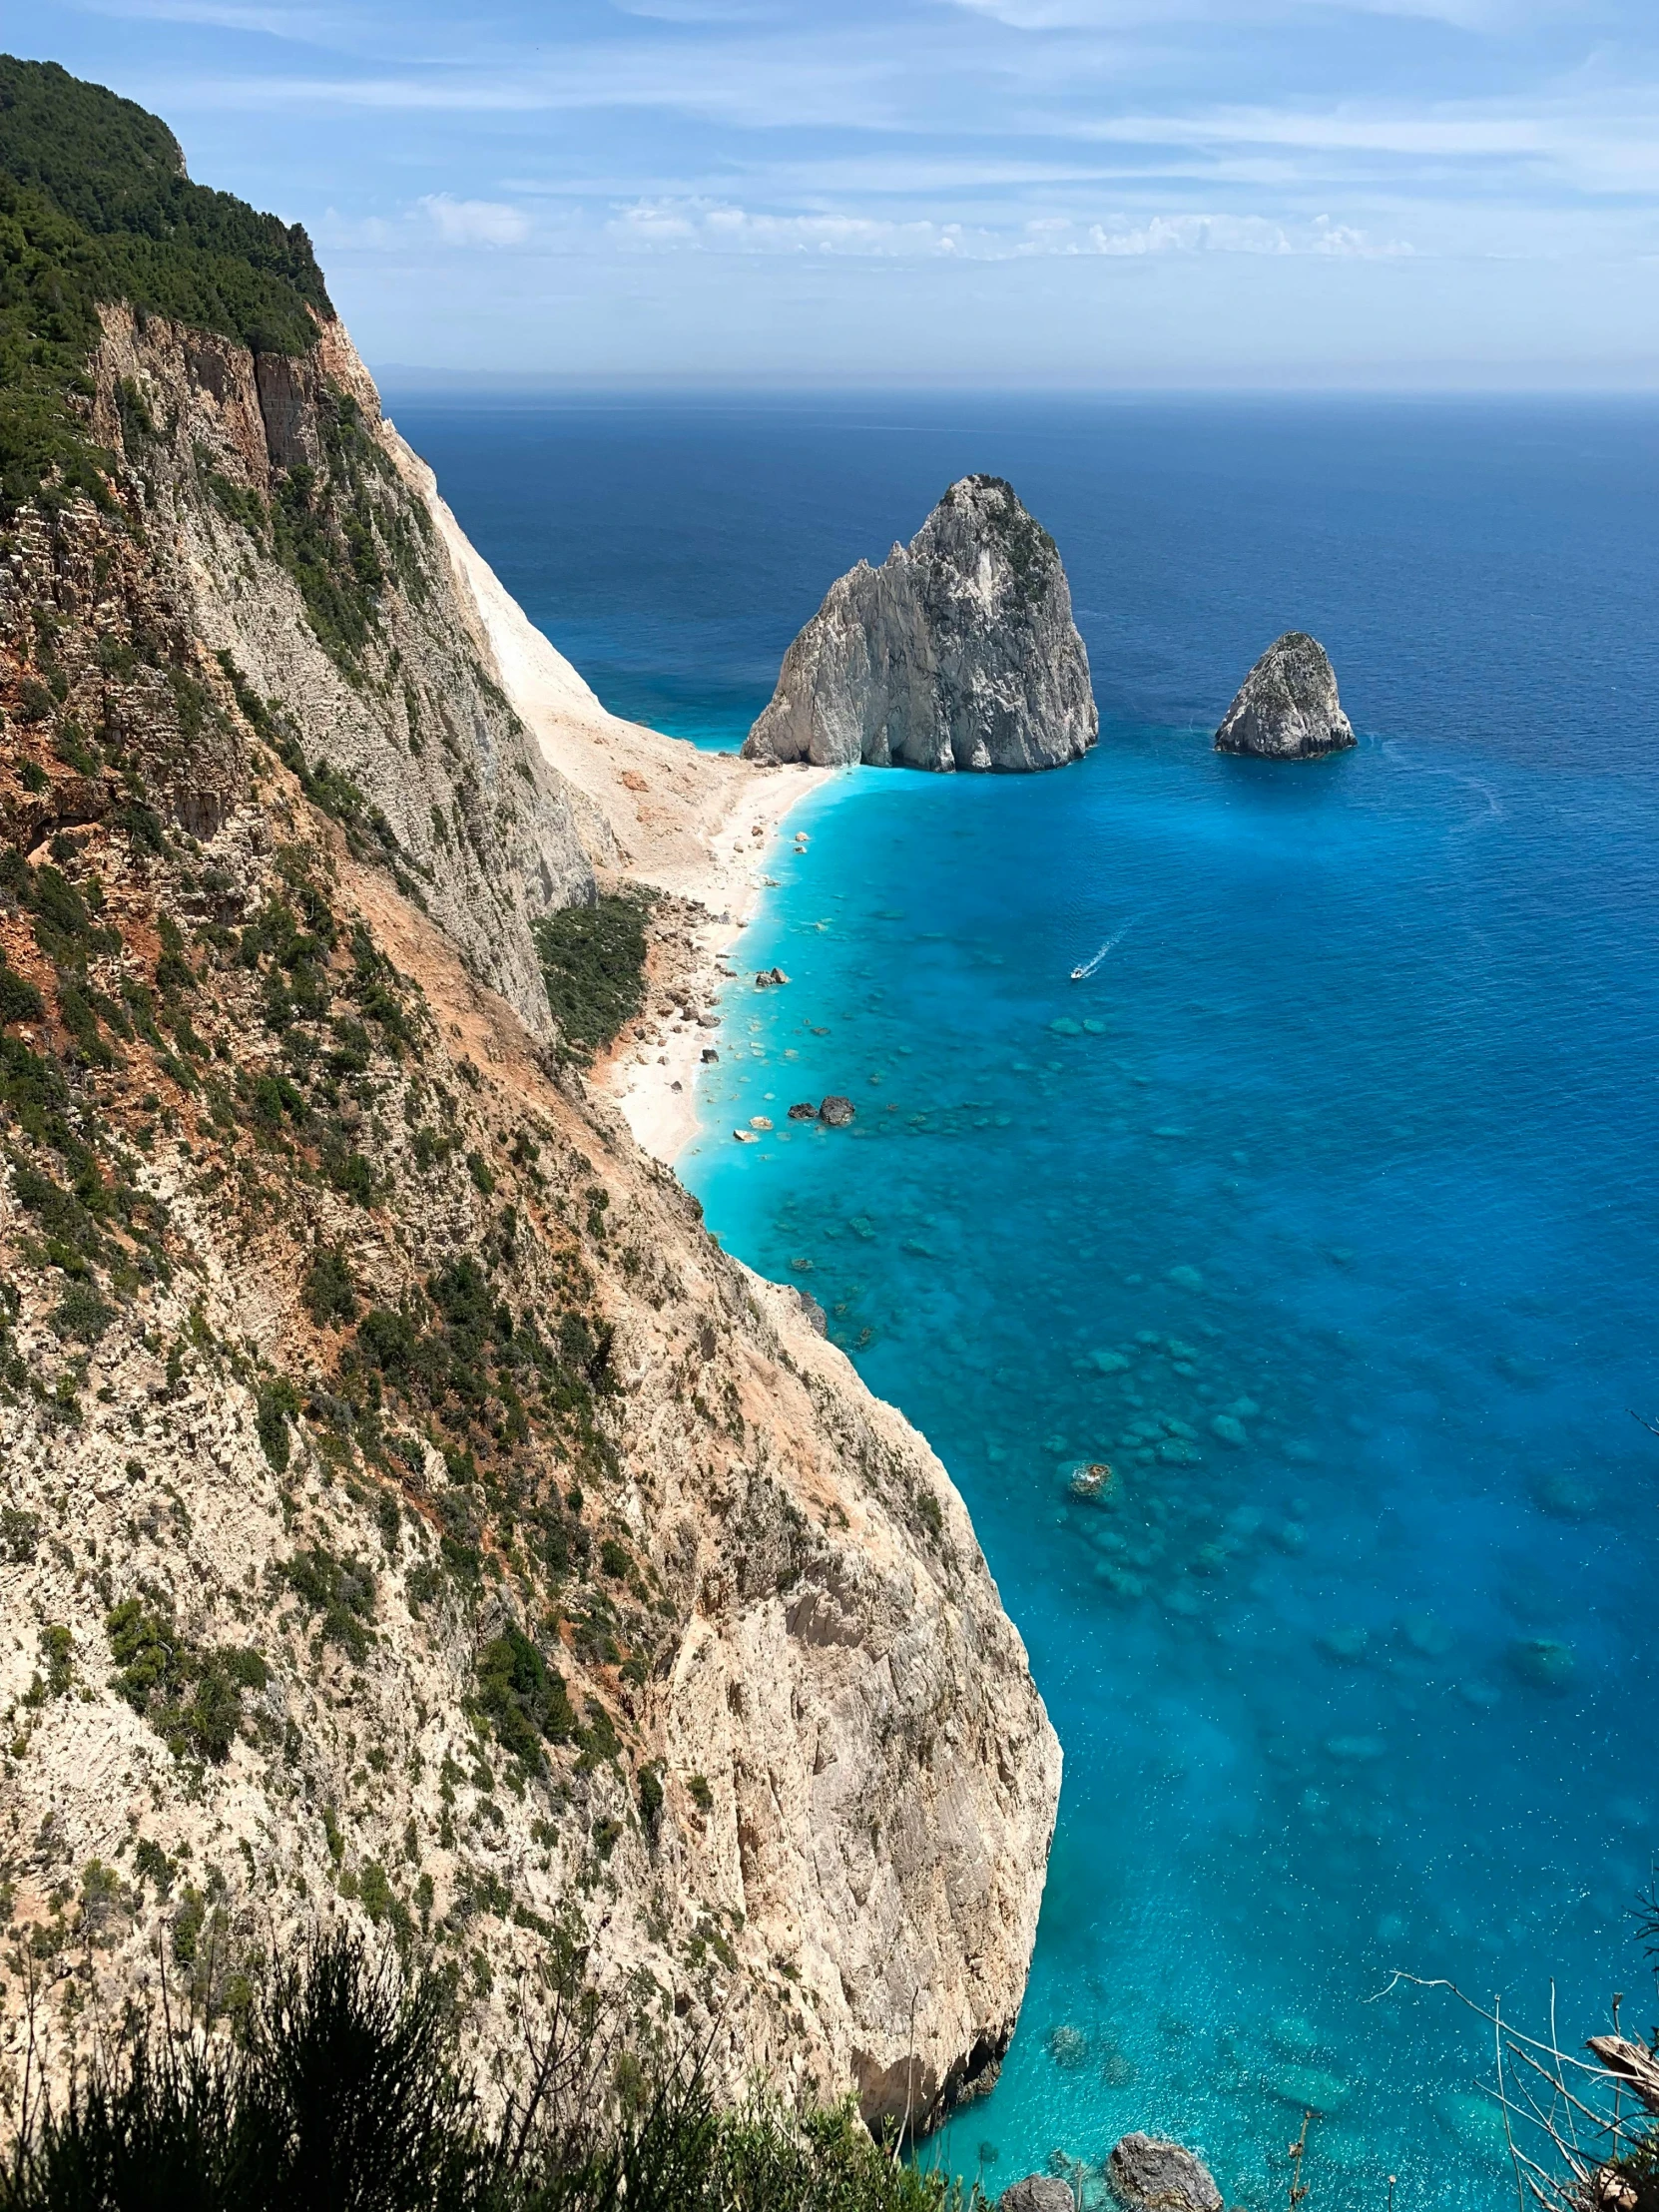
(714, 225)
(1233, 233)
(475, 221)
(699, 225)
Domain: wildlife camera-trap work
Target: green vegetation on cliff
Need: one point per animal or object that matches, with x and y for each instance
(95, 205)
(345, 2087)
(593, 962)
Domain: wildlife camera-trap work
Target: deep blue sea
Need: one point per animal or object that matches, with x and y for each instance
(1324, 1212)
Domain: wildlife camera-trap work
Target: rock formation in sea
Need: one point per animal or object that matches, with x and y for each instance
(958, 652)
(1039, 2193)
(1149, 2174)
(411, 1517)
(1286, 708)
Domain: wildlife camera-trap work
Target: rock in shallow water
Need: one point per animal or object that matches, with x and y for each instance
(1037, 2193)
(1150, 2175)
(958, 652)
(1286, 708)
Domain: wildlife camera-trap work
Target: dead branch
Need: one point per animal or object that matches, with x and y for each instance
(1633, 2063)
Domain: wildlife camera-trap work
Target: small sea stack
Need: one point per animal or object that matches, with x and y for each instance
(958, 652)
(1286, 708)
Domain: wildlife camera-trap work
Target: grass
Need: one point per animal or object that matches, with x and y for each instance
(593, 963)
(347, 2088)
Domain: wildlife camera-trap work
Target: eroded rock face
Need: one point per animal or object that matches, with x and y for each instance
(399, 701)
(958, 652)
(1148, 2174)
(1286, 708)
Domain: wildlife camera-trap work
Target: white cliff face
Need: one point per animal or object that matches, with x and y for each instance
(958, 652)
(1286, 708)
(456, 795)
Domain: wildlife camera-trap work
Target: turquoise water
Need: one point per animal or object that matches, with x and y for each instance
(1323, 1211)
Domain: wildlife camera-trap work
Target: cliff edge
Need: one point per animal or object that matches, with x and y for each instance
(411, 1515)
(958, 652)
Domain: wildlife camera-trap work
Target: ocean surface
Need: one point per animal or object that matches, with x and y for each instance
(1323, 1211)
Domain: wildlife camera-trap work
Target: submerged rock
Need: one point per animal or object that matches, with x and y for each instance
(958, 652)
(1150, 2175)
(1543, 1661)
(1094, 1482)
(1286, 708)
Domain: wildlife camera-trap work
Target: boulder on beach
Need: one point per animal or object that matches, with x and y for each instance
(1286, 708)
(837, 1111)
(1148, 2174)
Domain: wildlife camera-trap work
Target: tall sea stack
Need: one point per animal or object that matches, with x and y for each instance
(958, 652)
(1286, 708)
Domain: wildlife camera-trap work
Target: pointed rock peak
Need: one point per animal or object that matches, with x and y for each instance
(958, 652)
(1286, 708)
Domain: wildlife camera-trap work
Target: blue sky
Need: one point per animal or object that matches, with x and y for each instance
(1081, 193)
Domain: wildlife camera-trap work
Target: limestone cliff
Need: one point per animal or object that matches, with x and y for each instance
(409, 1512)
(1286, 708)
(958, 652)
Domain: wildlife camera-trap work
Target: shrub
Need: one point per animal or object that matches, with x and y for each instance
(19, 999)
(328, 1292)
(82, 1314)
(345, 2087)
(276, 1404)
(593, 965)
(524, 1698)
(191, 1697)
(342, 1590)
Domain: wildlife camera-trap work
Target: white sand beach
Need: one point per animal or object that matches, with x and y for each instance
(649, 808)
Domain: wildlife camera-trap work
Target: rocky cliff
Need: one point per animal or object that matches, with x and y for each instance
(958, 652)
(1286, 708)
(409, 1512)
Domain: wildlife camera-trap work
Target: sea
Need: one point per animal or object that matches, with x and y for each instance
(1323, 1210)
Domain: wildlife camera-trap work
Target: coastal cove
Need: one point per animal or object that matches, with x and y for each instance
(1321, 1211)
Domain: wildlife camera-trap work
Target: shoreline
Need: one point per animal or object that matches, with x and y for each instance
(650, 810)
(650, 1074)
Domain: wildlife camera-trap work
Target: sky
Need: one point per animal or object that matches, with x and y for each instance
(1077, 193)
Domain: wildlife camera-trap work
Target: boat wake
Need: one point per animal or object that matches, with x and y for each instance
(1082, 974)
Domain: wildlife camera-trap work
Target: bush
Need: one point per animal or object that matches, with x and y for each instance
(593, 964)
(524, 1698)
(82, 1314)
(342, 1590)
(346, 2089)
(328, 1292)
(191, 1697)
(276, 1404)
(19, 999)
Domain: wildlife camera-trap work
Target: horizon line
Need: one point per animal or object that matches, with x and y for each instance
(596, 384)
